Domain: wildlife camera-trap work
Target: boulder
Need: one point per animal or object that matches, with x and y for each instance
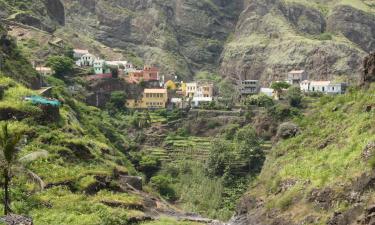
(323, 198)
(14, 219)
(368, 151)
(369, 215)
(134, 181)
(368, 74)
(287, 130)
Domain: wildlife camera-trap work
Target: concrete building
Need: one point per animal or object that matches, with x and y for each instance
(327, 87)
(249, 87)
(191, 88)
(197, 101)
(86, 60)
(267, 91)
(204, 90)
(100, 67)
(44, 70)
(295, 77)
(151, 99)
(78, 53)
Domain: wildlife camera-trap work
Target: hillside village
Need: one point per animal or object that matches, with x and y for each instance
(114, 120)
(158, 93)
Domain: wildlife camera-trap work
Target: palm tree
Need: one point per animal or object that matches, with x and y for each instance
(11, 163)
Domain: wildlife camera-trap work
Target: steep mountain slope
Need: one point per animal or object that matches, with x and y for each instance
(324, 175)
(240, 39)
(86, 172)
(326, 38)
(180, 36)
(43, 14)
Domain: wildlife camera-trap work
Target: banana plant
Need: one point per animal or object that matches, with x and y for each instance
(12, 164)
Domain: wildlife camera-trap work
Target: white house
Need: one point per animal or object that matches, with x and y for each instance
(295, 77)
(44, 70)
(78, 53)
(86, 60)
(179, 103)
(327, 87)
(267, 91)
(196, 101)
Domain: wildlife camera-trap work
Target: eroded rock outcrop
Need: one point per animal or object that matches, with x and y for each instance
(179, 36)
(354, 24)
(273, 37)
(368, 75)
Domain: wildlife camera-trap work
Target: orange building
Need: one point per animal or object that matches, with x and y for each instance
(147, 74)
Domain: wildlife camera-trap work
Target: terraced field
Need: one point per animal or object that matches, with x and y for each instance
(182, 148)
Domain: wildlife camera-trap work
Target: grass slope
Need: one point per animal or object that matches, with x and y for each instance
(327, 153)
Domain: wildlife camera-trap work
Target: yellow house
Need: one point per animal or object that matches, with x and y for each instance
(151, 99)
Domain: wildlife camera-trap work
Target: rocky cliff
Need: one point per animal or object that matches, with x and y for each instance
(275, 36)
(46, 15)
(181, 36)
(253, 39)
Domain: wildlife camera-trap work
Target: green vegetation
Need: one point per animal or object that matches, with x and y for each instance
(169, 221)
(117, 102)
(294, 96)
(279, 87)
(11, 162)
(327, 153)
(62, 65)
(260, 100)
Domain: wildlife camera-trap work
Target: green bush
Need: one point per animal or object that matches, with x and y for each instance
(62, 65)
(281, 112)
(324, 37)
(371, 161)
(149, 165)
(225, 154)
(259, 100)
(230, 130)
(117, 101)
(164, 187)
(294, 97)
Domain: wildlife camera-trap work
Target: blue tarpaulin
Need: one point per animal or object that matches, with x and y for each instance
(43, 101)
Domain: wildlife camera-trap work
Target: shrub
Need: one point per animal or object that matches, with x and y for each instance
(225, 153)
(149, 165)
(230, 131)
(62, 65)
(117, 100)
(259, 100)
(324, 37)
(212, 124)
(163, 185)
(282, 112)
(287, 130)
(371, 161)
(294, 96)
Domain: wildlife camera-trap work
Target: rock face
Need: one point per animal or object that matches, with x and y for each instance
(254, 39)
(46, 15)
(180, 36)
(273, 37)
(354, 24)
(369, 69)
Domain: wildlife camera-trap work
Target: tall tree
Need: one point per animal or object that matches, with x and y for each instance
(11, 163)
(279, 86)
